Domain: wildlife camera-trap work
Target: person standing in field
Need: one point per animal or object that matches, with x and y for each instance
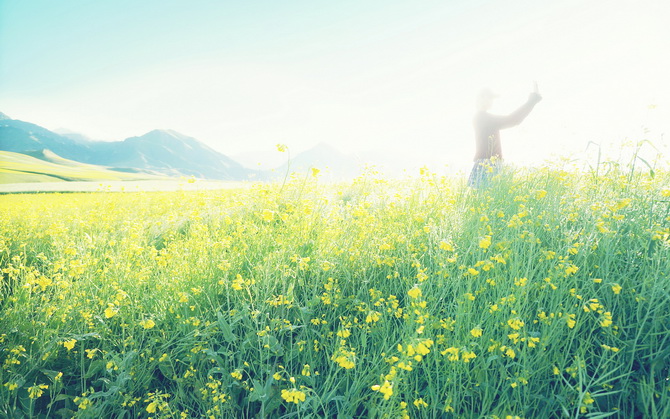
(488, 156)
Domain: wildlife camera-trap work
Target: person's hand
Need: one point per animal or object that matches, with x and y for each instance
(535, 96)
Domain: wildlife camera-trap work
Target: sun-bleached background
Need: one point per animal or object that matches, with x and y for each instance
(397, 76)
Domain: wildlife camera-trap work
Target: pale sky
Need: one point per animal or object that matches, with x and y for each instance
(359, 75)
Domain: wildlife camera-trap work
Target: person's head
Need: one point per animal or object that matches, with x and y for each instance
(485, 99)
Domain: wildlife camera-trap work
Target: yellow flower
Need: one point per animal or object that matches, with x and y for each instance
(587, 401)
(520, 282)
(236, 375)
(476, 332)
(446, 246)
(609, 348)
(345, 333)
(419, 403)
(485, 243)
(606, 320)
(468, 355)
(69, 344)
(423, 348)
(571, 269)
(82, 402)
(372, 317)
(151, 407)
(110, 311)
(344, 358)
(616, 288)
(386, 389)
(415, 292)
(147, 324)
(267, 215)
(238, 283)
(281, 147)
(515, 323)
(293, 396)
(36, 392)
(453, 353)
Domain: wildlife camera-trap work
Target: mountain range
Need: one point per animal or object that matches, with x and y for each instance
(169, 153)
(159, 152)
(163, 152)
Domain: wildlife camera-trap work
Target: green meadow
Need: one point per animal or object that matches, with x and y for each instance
(45, 166)
(543, 296)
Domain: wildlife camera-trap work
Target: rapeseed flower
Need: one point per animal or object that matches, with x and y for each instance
(444, 245)
(111, 311)
(293, 395)
(386, 389)
(148, 324)
(515, 323)
(36, 391)
(344, 358)
(415, 292)
(69, 344)
(420, 403)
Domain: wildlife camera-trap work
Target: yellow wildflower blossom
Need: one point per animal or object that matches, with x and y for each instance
(293, 395)
(69, 344)
(415, 292)
(148, 324)
(386, 389)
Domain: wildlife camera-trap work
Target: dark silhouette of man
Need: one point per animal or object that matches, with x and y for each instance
(488, 154)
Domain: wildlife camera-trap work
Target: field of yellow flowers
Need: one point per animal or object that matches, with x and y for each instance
(546, 295)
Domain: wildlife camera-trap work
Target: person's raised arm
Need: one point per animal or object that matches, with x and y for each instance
(516, 117)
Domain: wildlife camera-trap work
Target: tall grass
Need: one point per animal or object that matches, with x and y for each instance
(545, 295)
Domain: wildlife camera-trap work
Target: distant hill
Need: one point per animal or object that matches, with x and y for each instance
(172, 153)
(160, 151)
(46, 166)
(22, 137)
(76, 136)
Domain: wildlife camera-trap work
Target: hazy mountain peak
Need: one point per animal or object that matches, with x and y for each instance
(73, 135)
(4, 117)
(324, 147)
(167, 132)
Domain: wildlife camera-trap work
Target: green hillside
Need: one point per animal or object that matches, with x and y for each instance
(46, 166)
